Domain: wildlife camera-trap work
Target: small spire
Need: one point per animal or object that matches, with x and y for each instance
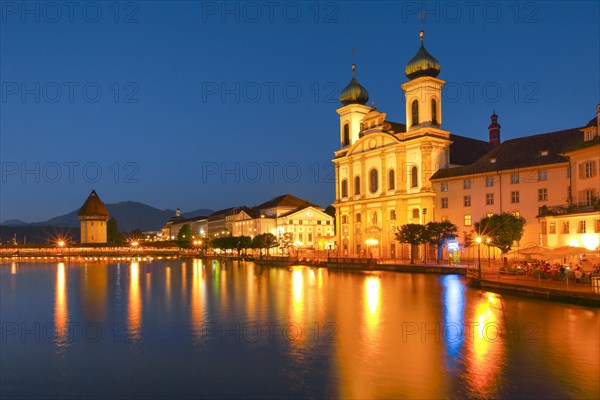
(353, 69)
(422, 36)
(353, 61)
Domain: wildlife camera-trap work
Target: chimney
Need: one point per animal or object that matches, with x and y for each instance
(494, 130)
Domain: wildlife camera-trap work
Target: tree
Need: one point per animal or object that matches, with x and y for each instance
(184, 237)
(112, 231)
(330, 210)
(502, 229)
(240, 243)
(265, 241)
(438, 233)
(413, 234)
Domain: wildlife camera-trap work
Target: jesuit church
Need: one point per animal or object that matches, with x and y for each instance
(389, 174)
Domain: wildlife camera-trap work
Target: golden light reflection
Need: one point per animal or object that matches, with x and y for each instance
(61, 308)
(134, 317)
(487, 347)
(13, 268)
(372, 294)
(298, 284)
(168, 285)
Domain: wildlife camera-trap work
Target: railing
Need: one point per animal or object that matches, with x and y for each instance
(574, 208)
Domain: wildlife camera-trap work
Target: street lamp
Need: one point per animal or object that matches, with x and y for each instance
(488, 240)
(478, 240)
(370, 243)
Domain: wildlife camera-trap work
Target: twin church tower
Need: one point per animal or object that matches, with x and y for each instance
(383, 167)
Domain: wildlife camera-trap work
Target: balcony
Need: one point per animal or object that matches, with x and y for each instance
(574, 208)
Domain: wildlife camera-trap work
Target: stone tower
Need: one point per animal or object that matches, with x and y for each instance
(92, 217)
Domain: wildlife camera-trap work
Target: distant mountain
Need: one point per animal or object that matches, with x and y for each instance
(14, 222)
(130, 215)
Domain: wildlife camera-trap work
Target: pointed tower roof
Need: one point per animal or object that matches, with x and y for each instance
(93, 206)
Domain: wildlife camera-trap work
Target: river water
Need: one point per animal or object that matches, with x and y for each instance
(195, 329)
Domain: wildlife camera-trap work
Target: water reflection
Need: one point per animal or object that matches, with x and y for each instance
(372, 303)
(94, 291)
(134, 315)
(198, 299)
(454, 305)
(61, 308)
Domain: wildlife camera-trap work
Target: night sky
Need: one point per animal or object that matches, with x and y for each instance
(180, 104)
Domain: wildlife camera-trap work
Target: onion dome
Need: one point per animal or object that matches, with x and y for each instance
(354, 93)
(422, 64)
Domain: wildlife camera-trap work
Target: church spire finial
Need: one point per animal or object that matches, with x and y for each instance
(353, 61)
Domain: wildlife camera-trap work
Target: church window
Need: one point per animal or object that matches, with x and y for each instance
(391, 180)
(393, 215)
(357, 185)
(434, 111)
(346, 141)
(414, 177)
(415, 213)
(358, 217)
(373, 181)
(415, 113)
(344, 188)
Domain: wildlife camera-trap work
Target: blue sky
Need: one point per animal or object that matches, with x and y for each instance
(187, 104)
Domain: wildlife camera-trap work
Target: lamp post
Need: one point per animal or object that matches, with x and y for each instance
(478, 240)
(370, 243)
(488, 240)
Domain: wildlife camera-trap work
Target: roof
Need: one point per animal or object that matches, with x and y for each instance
(593, 122)
(93, 206)
(519, 153)
(464, 150)
(397, 127)
(286, 200)
(295, 210)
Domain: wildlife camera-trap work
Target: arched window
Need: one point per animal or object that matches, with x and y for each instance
(344, 188)
(393, 215)
(391, 180)
(346, 141)
(434, 112)
(373, 181)
(415, 213)
(415, 113)
(357, 185)
(414, 177)
(358, 217)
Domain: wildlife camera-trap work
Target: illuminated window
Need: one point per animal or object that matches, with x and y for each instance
(597, 226)
(565, 227)
(344, 219)
(467, 201)
(415, 113)
(391, 180)
(581, 227)
(415, 213)
(444, 186)
(346, 141)
(434, 111)
(489, 181)
(488, 215)
(516, 213)
(358, 217)
(542, 194)
(373, 181)
(414, 177)
(444, 202)
(393, 215)
(357, 185)
(542, 175)
(514, 178)
(552, 227)
(489, 199)
(344, 188)
(514, 196)
(467, 184)
(310, 237)
(468, 220)
(589, 197)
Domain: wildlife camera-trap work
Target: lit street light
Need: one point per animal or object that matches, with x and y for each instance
(478, 240)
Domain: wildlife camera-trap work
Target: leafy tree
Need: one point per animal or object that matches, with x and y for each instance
(330, 210)
(112, 231)
(502, 229)
(184, 237)
(265, 241)
(438, 233)
(240, 243)
(413, 234)
(286, 241)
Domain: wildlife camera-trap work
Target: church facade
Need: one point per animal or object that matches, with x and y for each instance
(383, 168)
